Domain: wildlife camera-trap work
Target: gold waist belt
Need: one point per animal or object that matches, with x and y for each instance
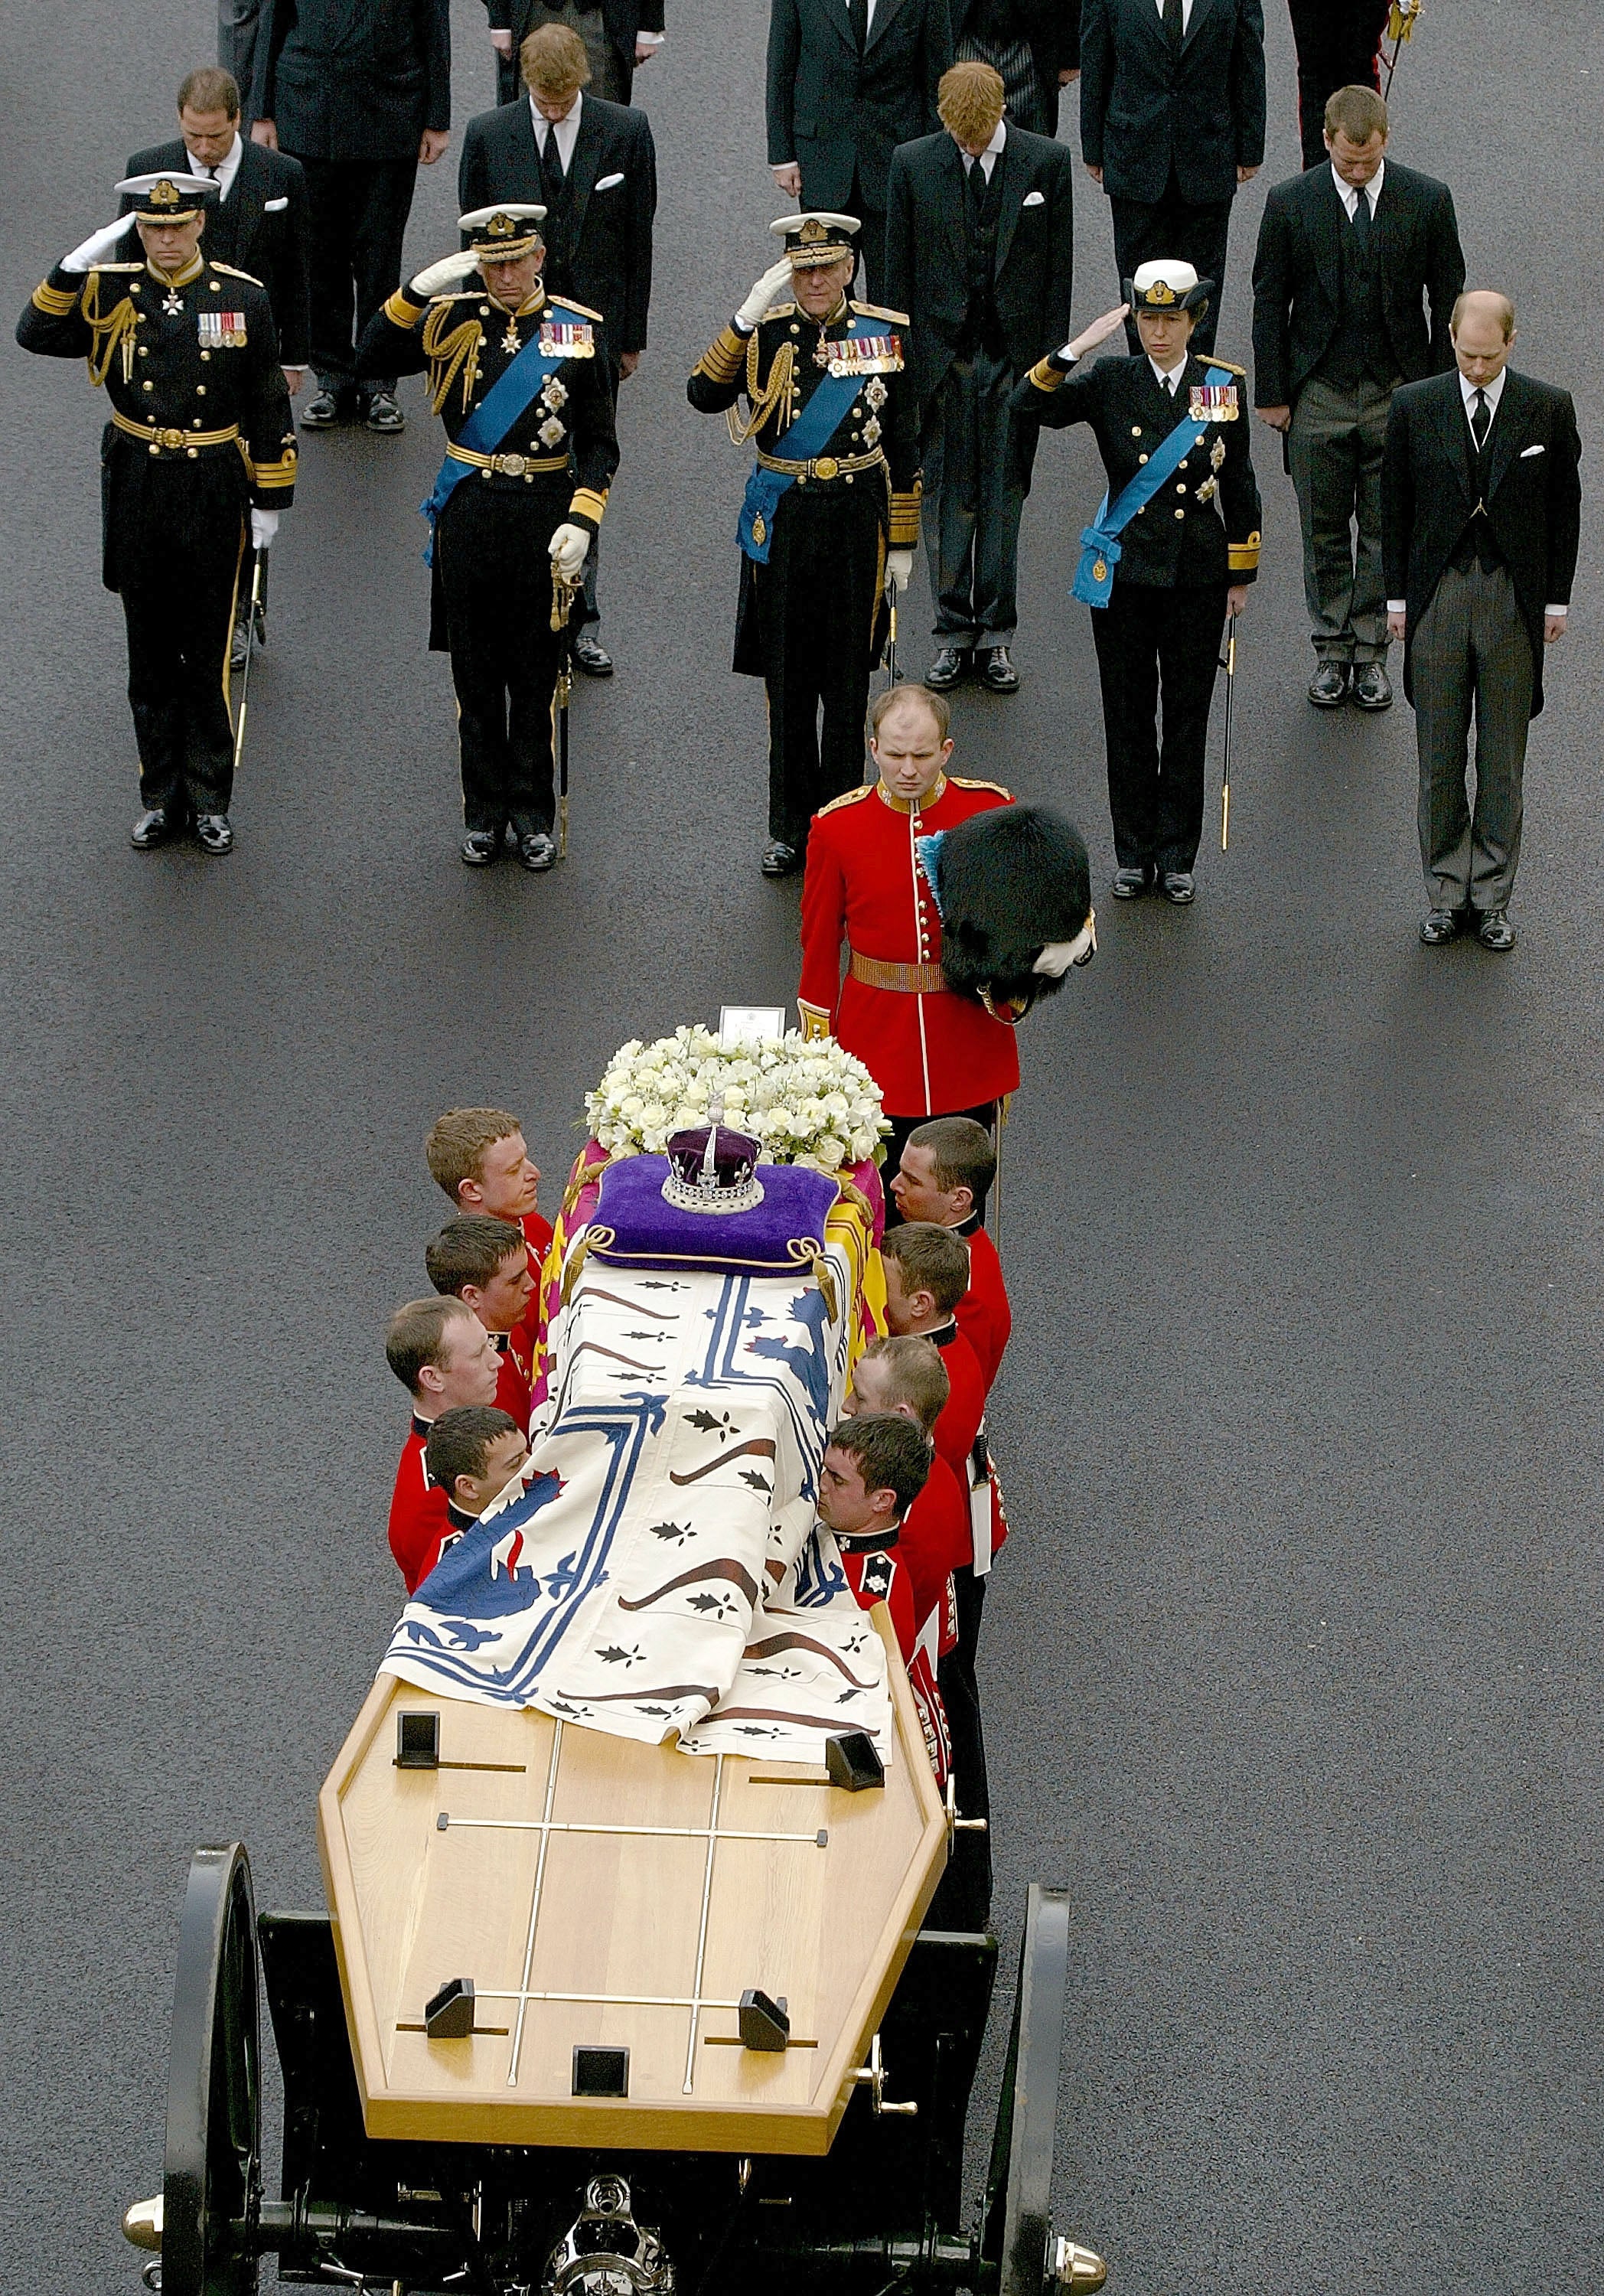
(823, 466)
(508, 466)
(910, 980)
(155, 437)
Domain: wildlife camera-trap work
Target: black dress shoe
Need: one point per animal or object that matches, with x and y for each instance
(779, 859)
(537, 850)
(383, 414)
(1439, 925)
(480, 846)
(1494, 931)
(996, 671)
(153, 828)
(321, 411)
(950, 667)
(1372, 687)
(592, 657)
(214, 833)
(1129, 882)
(1177, 886)
(1328, 688)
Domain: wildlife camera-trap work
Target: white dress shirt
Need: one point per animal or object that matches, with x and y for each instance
(1348, 193)
(988, 158)
(1186, 9)
(1171, 382)
(869, 18)
(565, 130)
(225, 170)
(1492, 392)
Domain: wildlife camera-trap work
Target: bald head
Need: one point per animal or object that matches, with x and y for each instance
(1482, 329)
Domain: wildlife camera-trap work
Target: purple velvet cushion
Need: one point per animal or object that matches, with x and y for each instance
(632, 1226)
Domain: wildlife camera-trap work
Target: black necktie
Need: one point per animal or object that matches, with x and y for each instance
(977, 187)
(550, 166)
(857, 13)
(1481, 420)
(1362, 220)
(1173, 23)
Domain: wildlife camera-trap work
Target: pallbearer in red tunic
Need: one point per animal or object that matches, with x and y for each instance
(931, 1053)
(945, 1169)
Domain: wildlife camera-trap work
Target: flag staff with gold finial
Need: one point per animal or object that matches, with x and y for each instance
(1401, 22)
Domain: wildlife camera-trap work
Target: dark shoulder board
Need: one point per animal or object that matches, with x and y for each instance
(232, 271)
(849, 797)
(878, 311)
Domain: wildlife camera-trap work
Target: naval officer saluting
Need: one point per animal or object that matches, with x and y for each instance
(199, 460)
(1161, 566)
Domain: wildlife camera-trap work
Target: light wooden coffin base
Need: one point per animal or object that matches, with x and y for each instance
(622, 1915)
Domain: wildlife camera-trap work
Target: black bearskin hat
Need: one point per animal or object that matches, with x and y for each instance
(1009, 883)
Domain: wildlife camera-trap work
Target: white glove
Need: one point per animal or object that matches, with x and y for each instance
(570, 546)
(1057, 956)
(758, 302)
(899, 568)
(98, 246)
(436, 278)
(264, 526)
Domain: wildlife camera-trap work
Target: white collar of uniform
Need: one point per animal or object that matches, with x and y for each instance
(1179, 373)
(225, 170)
(1346, 193)
(1494, 389)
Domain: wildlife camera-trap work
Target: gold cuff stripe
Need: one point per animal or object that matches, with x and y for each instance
(55, 302)
(588, 504)
(723, 357)
(402, 313)
(815, 1021)
(1045, 375)
(905, 518)
(1243, 557)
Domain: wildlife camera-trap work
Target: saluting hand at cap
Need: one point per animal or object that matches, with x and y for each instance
(1097, 333)
(764, 293)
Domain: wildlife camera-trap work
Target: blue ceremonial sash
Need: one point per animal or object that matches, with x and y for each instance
(808, 435)
(488, 425)
(1100, 547)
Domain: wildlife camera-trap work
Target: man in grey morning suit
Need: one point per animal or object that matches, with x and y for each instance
(1348, 254)
(1481, 512)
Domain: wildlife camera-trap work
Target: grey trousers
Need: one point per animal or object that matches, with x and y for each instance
(1471, 655)
(972, 502)
(1334, 451)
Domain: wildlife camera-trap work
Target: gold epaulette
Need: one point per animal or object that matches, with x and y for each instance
(1212, 361)
(115, 266)
(567, 303)
(849, 797)
(963, 781)
(1243, 557)
(878, 311)
(776, 311)
(232, 271)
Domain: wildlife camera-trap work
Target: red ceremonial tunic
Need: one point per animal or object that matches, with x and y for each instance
(936, 1540)
(877, 1575)
(526, 1338)
(419, 1523)
(983, 1312)
(930, 1052)
(965, 1407)
(512, 1380)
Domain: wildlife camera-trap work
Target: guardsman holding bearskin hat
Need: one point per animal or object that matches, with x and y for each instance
(832, 508)
(198, 458)
(1165, 562)
(519, 379)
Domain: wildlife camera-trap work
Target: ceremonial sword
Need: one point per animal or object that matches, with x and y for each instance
(562, 607)
(1229, 666)
(250, 622)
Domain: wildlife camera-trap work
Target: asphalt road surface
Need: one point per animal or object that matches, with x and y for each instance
(1292, 1665)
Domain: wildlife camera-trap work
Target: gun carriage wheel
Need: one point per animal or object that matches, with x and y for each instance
(211, 2171)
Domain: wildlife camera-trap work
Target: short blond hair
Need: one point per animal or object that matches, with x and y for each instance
(1501, 303)
(554, 62)
(457, 1141)
(969, 102)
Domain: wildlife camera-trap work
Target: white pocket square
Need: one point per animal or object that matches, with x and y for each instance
(1033, 200)
(274, 207)
(608, 182)
(1529, 450)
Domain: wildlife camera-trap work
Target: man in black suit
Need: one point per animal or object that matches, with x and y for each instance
(1348, 255)
(1034, 44)
(619, 35)
(980, 253)
(592, 166)
(1338, 44)
(848, 80)
(1172, 125)
(359, 91)
(1179, 544)
(1481, 504)
(258, 223)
